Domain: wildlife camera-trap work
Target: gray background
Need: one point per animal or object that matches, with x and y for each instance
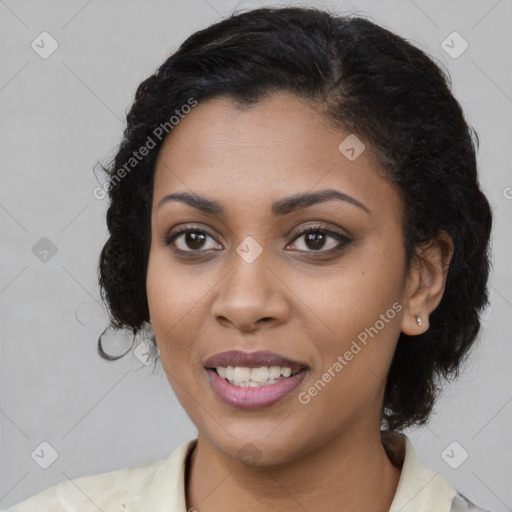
(60, 115)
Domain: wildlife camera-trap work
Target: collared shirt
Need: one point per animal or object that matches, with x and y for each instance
(160, 486)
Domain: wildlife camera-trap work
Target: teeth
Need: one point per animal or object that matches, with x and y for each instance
(241, 373)
(286, 372)
(259, 374)
(274, 372)
(254, 377)
(252, 384)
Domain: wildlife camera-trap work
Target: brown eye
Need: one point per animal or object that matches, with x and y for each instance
(316, 238)
(190, 240)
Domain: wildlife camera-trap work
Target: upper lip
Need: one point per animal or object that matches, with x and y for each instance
(251, 360)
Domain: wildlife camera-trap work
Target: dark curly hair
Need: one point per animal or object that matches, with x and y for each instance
(364, 79)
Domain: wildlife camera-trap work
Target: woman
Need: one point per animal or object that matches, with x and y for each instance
(295, 211)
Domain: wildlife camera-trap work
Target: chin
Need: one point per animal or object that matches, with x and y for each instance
(262, 449)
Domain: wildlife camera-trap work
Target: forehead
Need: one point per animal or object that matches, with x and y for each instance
(280, 125)
(279, 147)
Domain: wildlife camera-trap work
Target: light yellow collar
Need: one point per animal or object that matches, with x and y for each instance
(419, 489)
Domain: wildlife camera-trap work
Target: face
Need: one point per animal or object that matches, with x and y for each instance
(233, 272)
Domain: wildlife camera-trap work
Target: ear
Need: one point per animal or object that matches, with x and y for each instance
(426, 282)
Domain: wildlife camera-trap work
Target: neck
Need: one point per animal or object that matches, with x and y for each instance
(352, 473)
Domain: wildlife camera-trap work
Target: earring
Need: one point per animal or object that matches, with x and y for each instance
(419, 321)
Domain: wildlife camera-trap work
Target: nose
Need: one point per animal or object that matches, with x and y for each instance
(252, 296)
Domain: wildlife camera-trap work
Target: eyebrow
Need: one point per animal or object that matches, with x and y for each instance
(279, 208)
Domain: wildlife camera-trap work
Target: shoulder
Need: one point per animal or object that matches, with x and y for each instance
(93, 492)
(420, 489)
(123, 490)
(461, 504)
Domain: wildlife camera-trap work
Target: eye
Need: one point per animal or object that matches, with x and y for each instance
(316, 238)
(190, 239)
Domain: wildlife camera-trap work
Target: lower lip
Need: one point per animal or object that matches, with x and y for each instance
(253, 398)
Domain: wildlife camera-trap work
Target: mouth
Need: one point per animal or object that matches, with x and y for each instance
(252, 380)
(244, 376)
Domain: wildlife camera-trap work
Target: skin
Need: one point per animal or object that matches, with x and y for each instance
(327, 452)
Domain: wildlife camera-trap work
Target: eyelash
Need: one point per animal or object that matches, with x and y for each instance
(343, 240)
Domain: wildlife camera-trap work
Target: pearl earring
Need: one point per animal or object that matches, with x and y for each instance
(419, 321)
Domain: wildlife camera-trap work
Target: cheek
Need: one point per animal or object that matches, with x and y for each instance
(359, 310)
(176, 294)
(366, 283)
(172, 289)
(169, 302)
(171, 308)
(352, 360)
